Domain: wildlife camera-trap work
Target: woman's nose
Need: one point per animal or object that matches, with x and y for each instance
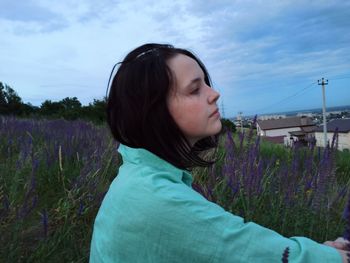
(214, 96)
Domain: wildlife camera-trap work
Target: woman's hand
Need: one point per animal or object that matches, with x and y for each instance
(343, 247)
(340, 243)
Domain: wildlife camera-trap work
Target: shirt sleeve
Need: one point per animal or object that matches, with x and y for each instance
(230, 239)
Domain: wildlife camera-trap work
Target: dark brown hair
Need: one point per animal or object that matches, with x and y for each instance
(137, 111)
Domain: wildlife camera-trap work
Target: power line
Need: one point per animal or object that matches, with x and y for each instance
(345, 74)
(298, 93)
(303, 91)
(340, 78)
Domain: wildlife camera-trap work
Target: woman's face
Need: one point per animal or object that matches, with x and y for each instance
(191, 102)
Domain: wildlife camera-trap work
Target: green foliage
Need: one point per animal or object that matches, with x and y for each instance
(270, 150)
(228, 125)
(49, 108)
(96, 111)
(67, 108)
(343, 166)
(10, 102)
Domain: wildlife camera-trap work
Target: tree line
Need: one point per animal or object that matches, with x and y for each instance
(69, 108)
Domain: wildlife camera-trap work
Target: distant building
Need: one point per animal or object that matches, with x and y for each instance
(343, 126)
(286, 130)
(307, 114)
(270, 117)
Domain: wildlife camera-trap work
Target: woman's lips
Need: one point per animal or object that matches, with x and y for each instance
(215, 113)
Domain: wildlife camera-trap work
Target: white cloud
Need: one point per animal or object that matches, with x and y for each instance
(67, 48)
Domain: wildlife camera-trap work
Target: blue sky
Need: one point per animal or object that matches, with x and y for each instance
(263, 56)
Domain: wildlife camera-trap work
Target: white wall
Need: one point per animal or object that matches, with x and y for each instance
(343, 139)
(281, 132)
(259, 131)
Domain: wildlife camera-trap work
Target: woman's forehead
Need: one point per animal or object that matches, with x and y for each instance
(185, 69)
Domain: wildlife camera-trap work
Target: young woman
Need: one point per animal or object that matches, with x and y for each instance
(162, 110)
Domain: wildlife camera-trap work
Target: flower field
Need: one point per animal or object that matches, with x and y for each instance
(299, 191)
(54, 174)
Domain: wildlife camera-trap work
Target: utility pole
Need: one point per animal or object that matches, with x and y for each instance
(222, 108)
(324, 82)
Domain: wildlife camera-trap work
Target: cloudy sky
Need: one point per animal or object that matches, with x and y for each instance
(263, 56)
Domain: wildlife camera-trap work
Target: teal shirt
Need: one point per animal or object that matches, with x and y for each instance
(151, 214)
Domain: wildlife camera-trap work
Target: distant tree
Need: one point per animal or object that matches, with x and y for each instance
(71, 108)
(70, 103)
(49, 108)
(96, 111)
(29, 109)
(10, 102)
(228, 125)
(3, 102)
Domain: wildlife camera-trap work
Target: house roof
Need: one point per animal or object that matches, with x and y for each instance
(343, 125)
(285, 123)
(307, 129)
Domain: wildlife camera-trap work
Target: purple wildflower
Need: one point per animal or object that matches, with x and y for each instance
(229, 167)
(250, 134)
(44, 221)
(325, 176)
(81, 208)
(6, 207)
(6, 203)
(334, 144)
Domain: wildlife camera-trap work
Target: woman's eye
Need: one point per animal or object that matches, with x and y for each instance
(195, 91)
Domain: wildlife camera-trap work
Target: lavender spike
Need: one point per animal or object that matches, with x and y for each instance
(44, 220)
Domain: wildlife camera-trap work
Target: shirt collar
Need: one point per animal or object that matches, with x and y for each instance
(143, 156)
